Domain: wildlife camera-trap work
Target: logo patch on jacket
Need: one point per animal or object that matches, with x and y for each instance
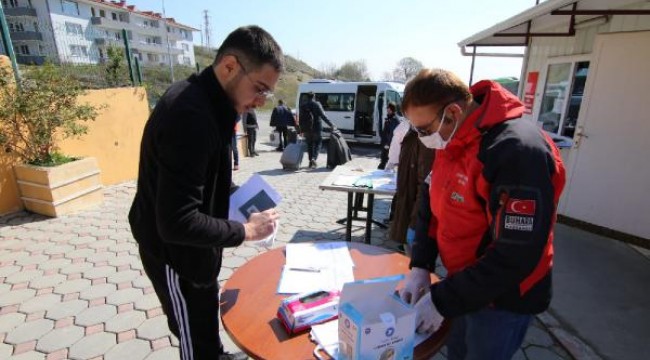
(519, 223)
(520, 207)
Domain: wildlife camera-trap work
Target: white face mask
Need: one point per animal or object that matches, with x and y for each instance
(435, 140)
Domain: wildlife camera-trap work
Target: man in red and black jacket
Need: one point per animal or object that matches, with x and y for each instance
(492, 199)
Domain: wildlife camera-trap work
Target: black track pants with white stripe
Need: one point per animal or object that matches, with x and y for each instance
(192, 310)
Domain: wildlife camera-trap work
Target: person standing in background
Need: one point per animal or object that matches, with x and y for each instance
(282, 118)
(233, 145)
(310, 118)
(390, 124)
(251, 131)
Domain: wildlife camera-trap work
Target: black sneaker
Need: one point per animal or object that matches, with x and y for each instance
(235, 356)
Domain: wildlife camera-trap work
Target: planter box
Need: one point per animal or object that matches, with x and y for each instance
(60, 190)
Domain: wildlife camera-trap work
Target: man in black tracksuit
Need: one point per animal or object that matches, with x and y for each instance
(179, 214)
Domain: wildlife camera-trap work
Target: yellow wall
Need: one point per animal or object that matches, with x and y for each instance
(113, 139)
(9, 200)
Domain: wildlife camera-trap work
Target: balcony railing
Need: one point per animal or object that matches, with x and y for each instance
(108, 41)
(30, 59)
(20, 11)
(155, 48)
(108, 23)
(26, 36)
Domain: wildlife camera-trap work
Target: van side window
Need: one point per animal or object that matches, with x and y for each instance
(336, 101)
(393, 96)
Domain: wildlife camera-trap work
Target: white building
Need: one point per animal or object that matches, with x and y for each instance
(80, 31)
(585, 76)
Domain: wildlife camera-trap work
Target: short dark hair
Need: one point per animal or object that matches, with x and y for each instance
(391, 105)
(434, 87)
(254, 46)
(280, 102)
(310, 95)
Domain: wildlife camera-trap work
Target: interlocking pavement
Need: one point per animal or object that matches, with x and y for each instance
(73, 287)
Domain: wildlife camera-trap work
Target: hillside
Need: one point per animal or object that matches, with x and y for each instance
(296, 72)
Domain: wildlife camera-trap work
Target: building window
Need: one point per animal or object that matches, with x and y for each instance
(102, 13)
(114, 16)
(92, 12)
(78, 50)
(70, 7)
(17, 27)
(10, 3)
(186, 60)
(22, 49)
(73, 29)
(185, 47)
(563, 92)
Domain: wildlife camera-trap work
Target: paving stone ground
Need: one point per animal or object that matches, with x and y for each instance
(73, 287)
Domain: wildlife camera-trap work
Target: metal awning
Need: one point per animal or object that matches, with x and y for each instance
(552, 18)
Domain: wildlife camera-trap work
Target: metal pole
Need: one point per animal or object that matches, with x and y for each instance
(471, 71)
(9, 48)
(169, 50)
(138, 69)
(198, 68)
(129, 62)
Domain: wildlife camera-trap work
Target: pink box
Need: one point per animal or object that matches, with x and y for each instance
(299, 312)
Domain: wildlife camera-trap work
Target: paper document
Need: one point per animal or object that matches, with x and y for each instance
(345, 180)
(255, 195)
(318, 255)
(297, 281)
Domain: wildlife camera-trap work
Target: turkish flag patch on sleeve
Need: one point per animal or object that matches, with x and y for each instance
(520, 207)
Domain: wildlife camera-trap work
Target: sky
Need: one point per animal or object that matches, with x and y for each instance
(323, 33)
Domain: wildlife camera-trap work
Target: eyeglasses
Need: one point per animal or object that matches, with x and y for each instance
(426, 129)
(260, 92)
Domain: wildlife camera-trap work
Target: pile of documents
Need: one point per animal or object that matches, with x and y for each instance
(316, 266)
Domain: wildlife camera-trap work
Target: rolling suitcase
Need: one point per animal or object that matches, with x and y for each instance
(292, 155)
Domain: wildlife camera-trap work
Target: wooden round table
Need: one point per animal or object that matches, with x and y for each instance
(249, 304)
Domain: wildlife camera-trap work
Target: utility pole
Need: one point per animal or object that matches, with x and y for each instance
(206, 28)
(169, 50)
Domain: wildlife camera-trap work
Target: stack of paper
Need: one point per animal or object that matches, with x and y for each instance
(316, 266)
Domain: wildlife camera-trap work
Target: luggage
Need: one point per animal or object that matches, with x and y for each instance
(292, 155)
(338, 152)
(293, 136)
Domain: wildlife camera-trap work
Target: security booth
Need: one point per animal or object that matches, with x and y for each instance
(584, 80)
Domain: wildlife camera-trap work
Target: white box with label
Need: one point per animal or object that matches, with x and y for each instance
(374, 323)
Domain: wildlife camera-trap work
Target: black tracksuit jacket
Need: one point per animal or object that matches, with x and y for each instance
(180, 209)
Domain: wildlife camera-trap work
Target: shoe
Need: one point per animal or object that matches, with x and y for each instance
(279, 149)
(235, 168)
(312, 164)
(256, 154)
(233, 356)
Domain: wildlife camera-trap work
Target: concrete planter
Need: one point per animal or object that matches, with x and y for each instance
(60, 190)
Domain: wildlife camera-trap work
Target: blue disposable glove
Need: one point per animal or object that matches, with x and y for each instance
(410, 236)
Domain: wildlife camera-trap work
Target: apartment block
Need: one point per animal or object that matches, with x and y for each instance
(81, 31)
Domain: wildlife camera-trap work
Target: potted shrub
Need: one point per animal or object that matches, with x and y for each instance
(35, 115)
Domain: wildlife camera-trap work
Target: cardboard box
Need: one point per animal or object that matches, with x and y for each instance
(374, 323)
(299, 312)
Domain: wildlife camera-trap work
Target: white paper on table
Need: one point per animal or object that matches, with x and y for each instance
(296, 280)
(255, 195)
(318, 255)
(326, 335)
(345, 180)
